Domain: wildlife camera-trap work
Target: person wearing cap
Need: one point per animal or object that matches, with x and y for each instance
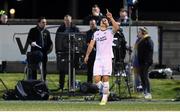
(104, 54)
(144, 47)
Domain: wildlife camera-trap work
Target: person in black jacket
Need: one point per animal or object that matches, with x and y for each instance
(41, 44)
(90, 63)
(67, 26)
(144, 48)
(62, 55)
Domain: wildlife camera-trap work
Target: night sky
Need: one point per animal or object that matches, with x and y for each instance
(56, 9)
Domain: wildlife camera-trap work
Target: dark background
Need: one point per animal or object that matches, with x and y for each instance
(162, 10)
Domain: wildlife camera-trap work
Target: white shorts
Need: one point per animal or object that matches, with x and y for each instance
(102, 67)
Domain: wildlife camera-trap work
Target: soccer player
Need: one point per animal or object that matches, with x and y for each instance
(104, 54)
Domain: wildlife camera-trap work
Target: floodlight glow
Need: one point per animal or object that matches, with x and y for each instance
(12, 11)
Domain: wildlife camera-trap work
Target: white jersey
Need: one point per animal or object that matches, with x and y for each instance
(104, 41)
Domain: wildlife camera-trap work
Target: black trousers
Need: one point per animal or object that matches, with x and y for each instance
(143, 72)
(63, 66)
(90, 65)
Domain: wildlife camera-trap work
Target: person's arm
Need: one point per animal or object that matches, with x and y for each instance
(89, 49)
(114, 23)
(150, 48)
(77, 29)
(31, 36)
(50, 43)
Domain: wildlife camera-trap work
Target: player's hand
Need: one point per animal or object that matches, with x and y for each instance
(86, 59)
(108, 14)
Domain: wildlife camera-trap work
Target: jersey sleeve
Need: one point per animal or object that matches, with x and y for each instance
(93, 36)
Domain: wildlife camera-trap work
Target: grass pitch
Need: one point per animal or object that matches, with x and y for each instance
(88, 106)
(163, 91)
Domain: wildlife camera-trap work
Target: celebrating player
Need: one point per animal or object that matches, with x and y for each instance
(104, 54)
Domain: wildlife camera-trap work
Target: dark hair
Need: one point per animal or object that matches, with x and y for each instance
(40, 18)
(67, 15)
(123, 10)
(92, 20)
(95, 5)
(104, 17)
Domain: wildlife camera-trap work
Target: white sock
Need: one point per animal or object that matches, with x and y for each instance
(105, 87)
(100, 86)
(105, 97)
(105, 91)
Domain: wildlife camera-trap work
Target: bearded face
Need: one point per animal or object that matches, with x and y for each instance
(104, 22)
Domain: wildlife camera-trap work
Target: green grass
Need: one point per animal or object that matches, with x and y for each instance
(165, 89)
(87, 106)
(162, 90)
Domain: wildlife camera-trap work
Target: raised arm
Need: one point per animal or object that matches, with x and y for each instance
(114, 23)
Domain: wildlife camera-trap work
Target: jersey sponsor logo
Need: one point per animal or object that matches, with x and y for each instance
(101, 38)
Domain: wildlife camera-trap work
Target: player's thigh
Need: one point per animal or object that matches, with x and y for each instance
(97, 69)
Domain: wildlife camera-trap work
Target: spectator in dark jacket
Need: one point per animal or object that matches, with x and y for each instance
(145, 48)
(62, 56)
(67, 26)
(41, 44)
